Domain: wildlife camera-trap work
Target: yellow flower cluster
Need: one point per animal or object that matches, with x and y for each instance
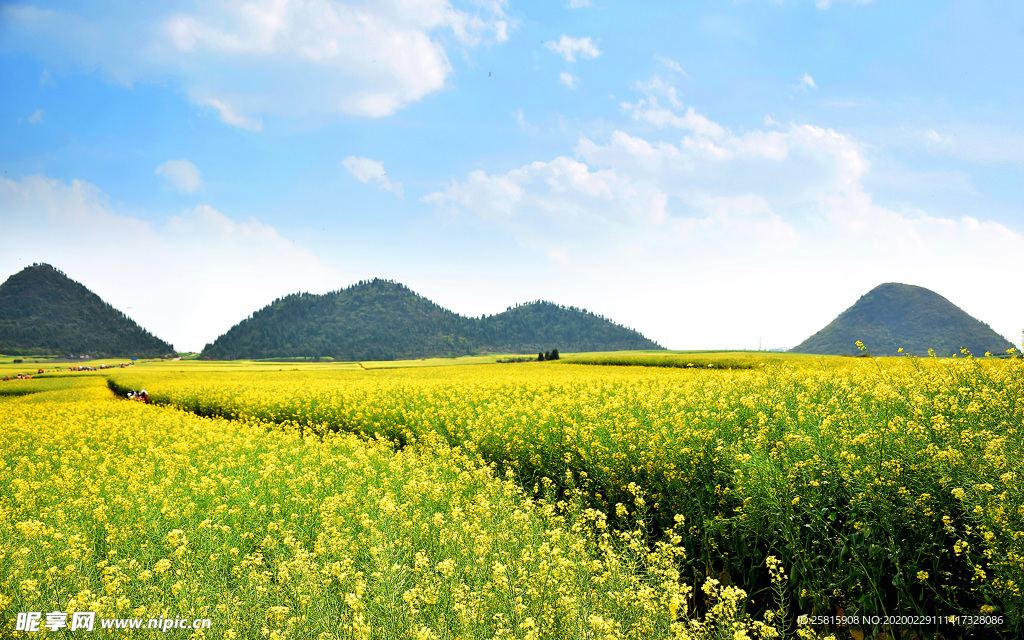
(129, 510)
(860, 473)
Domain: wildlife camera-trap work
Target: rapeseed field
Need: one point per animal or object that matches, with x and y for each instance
(887, 486)
(130, 511)
(866, 494)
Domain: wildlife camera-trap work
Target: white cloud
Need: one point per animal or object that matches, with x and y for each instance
(672, 65)
(370, 171)
(525, 125)
(229, 116)
(559, 254)
(825, 4)
(569, 48)
(270, 57)
(36, 117)
(558, 197)
(807, 81)
(46, 80)
(186, 280)
(656, 87)
(569, 80)
(899, 177)
(579, 4)
(181, 175)
(493, 197)
(650, 109)
(764, 214)
(360, 59)
(983, 143)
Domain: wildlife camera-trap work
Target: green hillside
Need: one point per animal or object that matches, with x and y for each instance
(42, 311)
(383, 320)
(893, 315)
(539, 326)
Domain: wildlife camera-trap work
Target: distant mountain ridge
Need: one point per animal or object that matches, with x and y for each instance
(385, 320)
(42, 311)
(893, 316)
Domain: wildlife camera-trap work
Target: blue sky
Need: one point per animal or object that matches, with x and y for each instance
(713, 174)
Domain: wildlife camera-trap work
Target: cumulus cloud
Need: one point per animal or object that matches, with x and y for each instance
(579, 4)
(563, 197)
(372, 58)
(36, 117)
(370, 171)
(569, 80)
(807, 81)
(650, 109)
(698, 208)
(569, 48)
(253, 58)
(186, 279)
(181, 175)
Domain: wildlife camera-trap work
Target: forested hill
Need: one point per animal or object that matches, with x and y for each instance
(893, 316)
(539, 326)
(42, 311)
(375, 320)
(384, 320)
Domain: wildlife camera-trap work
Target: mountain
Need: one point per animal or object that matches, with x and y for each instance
(42, 311)
(539, 326)
(384, 320)
(895, 315)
